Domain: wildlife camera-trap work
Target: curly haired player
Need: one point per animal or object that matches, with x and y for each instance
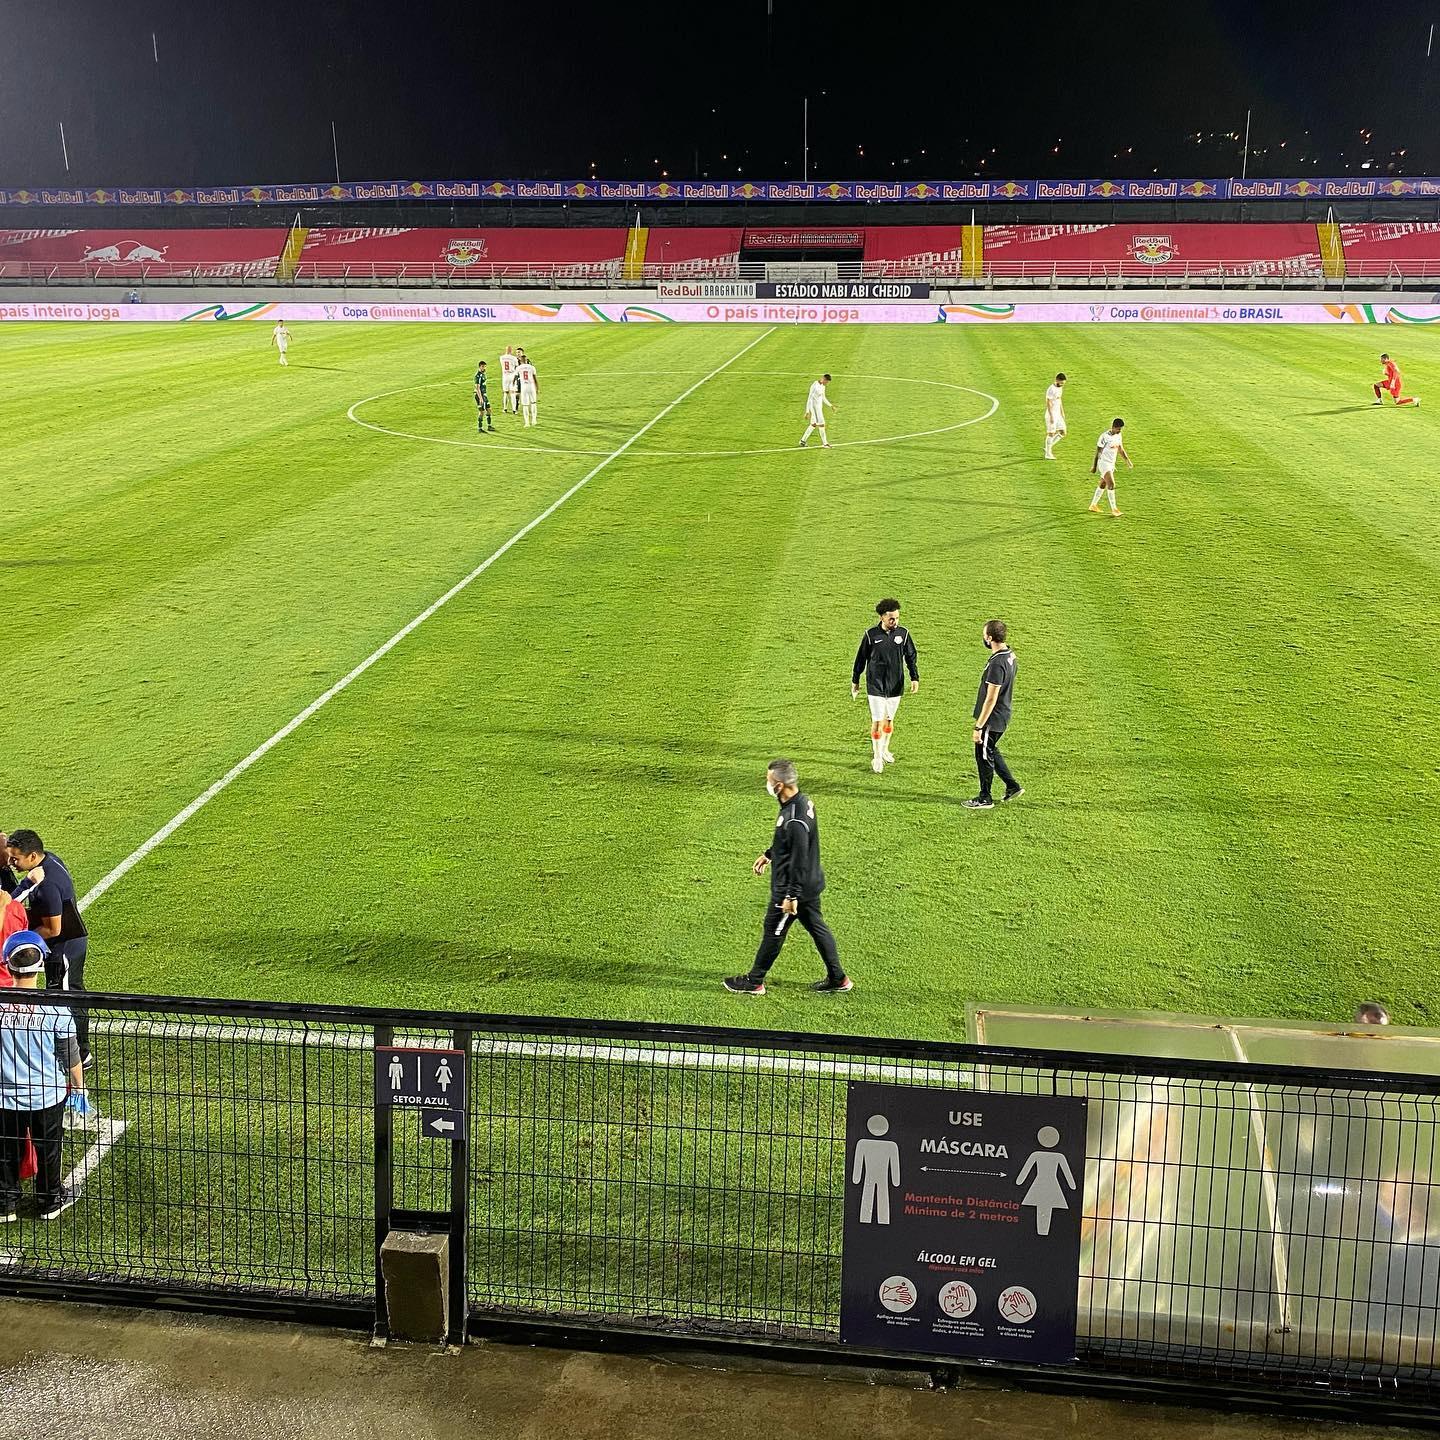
(886, 652)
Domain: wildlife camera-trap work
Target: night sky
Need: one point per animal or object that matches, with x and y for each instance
(246, 92)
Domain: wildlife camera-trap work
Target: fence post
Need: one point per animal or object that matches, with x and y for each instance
(460, 1198)
(383, 1035)
(430, 1083)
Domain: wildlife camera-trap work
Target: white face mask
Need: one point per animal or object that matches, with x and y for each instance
(770, 788)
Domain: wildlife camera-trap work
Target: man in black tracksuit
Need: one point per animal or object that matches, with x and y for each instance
(886, 652)
(796, 880)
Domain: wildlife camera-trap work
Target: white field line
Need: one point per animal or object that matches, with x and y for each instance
(817, 1065)
(260, 751)
(676, 454)
(110, 1132)
(1279, 1261)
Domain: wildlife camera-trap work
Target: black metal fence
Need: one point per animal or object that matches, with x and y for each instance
(1270, 1230)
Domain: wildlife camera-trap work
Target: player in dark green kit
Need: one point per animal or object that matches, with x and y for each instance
(482, 401)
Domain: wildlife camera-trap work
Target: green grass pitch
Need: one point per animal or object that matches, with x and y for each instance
(546, 799)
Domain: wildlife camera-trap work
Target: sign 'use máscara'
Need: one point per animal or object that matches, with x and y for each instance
(962, 1222)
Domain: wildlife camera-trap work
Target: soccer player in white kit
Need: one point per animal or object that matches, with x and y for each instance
(815, 412)
(509, 383)
(280, 339)
(529, 383)
(1054, 415)
(1108, 448)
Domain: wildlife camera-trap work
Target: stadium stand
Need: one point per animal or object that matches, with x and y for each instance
(680, 252)
(1037, 255)
(441, 255)
(240, 253)
(1113, 252)
(912, 250)
(1383, 251)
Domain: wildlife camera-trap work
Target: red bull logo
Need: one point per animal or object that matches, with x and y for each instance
(1302, 187)
(1107, 189)
(1153, 249)
(748, 190)
(922, 191)
(496, 188)
(1199, 189)
(127, 252)
(581, 190)
(464, 251)
(664, 190)
(1397, 187)
(833, 190)
(1009, 189)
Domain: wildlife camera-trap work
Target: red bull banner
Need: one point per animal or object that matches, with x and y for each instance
(770, 192)
(779, 239)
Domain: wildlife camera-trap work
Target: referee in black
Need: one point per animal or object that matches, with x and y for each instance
(992, 716)
(796, 880)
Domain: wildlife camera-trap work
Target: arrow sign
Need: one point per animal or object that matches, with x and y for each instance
(448, 1124)
(945, 1170)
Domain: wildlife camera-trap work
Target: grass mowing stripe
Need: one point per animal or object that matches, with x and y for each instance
(263, 749)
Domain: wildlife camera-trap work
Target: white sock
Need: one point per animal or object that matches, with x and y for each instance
(809, 431)
(1111, 494)
(1100, 490)
(824, 439)
(877, 746)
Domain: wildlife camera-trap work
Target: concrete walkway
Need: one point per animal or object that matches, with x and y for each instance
(76, 1373)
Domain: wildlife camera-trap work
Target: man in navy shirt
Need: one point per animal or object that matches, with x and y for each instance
(55, 916)
(992, 715)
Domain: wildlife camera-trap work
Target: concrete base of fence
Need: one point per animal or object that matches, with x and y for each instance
(416, 1269)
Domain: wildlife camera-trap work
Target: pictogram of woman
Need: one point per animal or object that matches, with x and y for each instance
(1046, 1193)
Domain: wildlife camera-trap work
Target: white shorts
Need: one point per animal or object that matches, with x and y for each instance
(883, 707)
(282, 346)
(528, 394)
(815, 417)
(509, 384)
(1105, 473)
(1054, 427)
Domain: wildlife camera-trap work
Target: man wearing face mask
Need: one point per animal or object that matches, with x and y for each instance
(796, 880)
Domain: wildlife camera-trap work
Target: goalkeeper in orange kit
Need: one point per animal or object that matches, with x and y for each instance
(1389, 384)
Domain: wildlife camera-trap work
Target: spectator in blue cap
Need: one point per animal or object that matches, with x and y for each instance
(39, 1068)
